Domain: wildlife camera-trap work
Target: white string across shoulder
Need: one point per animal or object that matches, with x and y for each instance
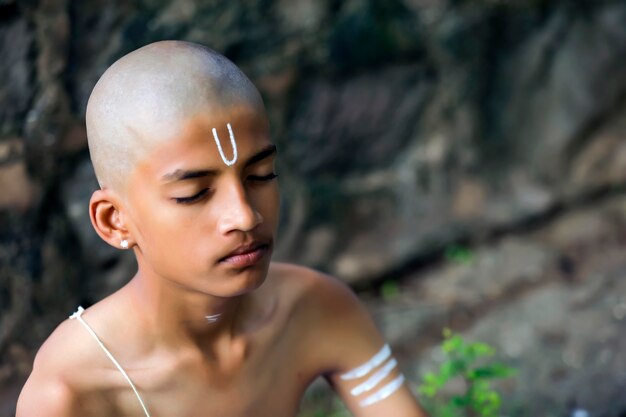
(233, 144)
(78, 316)
(377, 368)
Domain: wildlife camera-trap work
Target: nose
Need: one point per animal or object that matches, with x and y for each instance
(237, 214)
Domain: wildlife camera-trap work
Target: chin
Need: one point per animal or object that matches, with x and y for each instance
(243, 281)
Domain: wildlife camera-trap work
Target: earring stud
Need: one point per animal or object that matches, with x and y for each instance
(124, 244)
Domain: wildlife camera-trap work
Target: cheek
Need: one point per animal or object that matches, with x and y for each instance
(161, 223)
(267, 203)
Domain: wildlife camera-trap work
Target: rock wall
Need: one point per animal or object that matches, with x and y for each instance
(404, 127)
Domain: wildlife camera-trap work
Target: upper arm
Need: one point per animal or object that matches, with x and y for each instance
(347, 338)
(46, 397)
(46, 392)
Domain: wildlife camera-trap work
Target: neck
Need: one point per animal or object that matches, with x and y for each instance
(176, 316)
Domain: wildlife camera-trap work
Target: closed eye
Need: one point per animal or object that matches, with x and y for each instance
(263, 178)
(192, 199)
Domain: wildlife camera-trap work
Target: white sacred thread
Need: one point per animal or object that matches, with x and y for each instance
(368, 366)
(228, 162)
(375, 379)
(384, 392)
(212, 318)
(78, 316)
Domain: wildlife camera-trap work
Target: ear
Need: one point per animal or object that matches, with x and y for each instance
(107, 219)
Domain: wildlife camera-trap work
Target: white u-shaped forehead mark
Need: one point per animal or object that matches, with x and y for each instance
(233, 144)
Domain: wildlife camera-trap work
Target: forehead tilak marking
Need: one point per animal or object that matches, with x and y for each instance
(233, 144)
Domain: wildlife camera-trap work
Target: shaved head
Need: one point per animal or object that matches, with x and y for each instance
(144, 98)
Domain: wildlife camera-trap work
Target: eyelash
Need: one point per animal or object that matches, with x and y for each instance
(193, 198)
(196, 197)
(264, 178)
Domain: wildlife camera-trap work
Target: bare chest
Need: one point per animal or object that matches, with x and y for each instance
(268, 384)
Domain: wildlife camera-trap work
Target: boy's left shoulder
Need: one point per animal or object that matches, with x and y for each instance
(314, 293)
(333, 334)
(302, 281)
(327, 315)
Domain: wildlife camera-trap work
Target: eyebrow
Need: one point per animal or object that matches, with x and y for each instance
(266, 152)
(182, 174)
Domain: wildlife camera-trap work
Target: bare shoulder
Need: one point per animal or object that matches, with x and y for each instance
(54, 383)
(303, 282)
(336, 336)
(313, 293)
(329, 316)
(64, 350)
(46, 396)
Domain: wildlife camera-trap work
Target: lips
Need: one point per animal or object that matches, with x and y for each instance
(246, 255)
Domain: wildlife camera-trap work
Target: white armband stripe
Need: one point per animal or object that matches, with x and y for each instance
(375, 379)
(384, 392)
(368, 366)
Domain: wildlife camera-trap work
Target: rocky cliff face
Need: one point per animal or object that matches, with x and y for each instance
(404, 127)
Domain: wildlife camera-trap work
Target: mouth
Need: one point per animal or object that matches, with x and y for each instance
(246, 255)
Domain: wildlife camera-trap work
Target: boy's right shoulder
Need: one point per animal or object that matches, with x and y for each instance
(66, 350)
(60, 371)
(47, 395)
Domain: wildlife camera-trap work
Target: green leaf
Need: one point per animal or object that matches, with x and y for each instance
(478, 349)
(453, 344)
(450, 369)
(486, 402)
(458, 254)
(459, 401)
(389, 290)
(479, 398)
(431, 385)
(428, 391)
(430, 378)
(491, 371)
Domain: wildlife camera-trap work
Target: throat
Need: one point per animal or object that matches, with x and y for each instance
(231, 358)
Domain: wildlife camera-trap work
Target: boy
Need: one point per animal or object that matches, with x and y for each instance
(208, 326)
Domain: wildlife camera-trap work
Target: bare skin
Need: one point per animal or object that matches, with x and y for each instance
(187, 216)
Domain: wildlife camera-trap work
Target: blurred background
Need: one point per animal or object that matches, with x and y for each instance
(460, 163)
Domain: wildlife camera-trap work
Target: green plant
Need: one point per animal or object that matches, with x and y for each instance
(465, 361)
(389, 290)
(459, 254)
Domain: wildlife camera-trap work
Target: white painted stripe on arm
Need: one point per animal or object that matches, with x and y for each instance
(374, 379)
(384, 392)
(368, 366)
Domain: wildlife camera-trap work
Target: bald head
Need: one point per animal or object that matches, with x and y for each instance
(144, 98)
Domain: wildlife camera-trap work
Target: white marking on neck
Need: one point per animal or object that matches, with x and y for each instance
(375, 379)
(233, 144)
(368, 366)
(384, 392)
(213, 318)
